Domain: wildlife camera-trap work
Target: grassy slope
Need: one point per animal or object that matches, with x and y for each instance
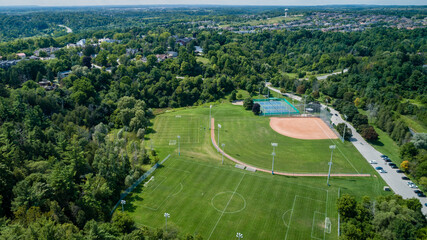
(195, 188)
(414, 124)
(385, 144)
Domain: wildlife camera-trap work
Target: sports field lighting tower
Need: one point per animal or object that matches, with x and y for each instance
(123, 202)
(274, 145)
(239, 235)
(332, 147)
(219, 126)
(167, 215)
(223, 145)
(179, 150)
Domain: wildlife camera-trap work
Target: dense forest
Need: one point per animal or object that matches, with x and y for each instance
(66, 154)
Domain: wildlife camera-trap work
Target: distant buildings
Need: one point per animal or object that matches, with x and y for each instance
(8, 64)
(49, 51)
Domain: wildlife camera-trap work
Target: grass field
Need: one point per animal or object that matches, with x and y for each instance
(205, 197)
(217, 201)
(248, 138)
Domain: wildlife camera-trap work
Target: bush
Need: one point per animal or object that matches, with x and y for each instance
(368, 133)
(256, 109)
(248, 103)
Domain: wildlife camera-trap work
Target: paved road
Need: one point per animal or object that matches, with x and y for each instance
(69, 30)
(392, 178)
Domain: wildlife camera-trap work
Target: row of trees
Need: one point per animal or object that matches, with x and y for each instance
(388, 217)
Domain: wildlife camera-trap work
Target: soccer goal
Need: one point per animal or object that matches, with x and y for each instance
(328, 225)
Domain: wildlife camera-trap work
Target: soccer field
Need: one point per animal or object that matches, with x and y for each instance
(218, 201)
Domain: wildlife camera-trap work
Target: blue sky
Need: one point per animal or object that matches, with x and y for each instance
(216, 2)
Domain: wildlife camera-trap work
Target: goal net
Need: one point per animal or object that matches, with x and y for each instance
(328, 225)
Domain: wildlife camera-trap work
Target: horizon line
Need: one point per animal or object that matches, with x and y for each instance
(207, 4)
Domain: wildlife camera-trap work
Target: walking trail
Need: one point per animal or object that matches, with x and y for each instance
(279, 173)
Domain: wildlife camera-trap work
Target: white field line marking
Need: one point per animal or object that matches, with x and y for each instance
(337, 148)
(290, 218)
(283, 217)
(223, 211)
(312, 228)
(170, 195)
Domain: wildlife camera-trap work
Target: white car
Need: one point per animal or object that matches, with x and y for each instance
(373, 162)
(412, 185)
(383, 171)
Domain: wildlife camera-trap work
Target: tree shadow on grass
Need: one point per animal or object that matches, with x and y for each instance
(132, 198)
(377, 143)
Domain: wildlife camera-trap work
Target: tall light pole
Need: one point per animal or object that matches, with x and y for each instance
(210, 116)
(167, 215)
(239, 235)
(219, 126)
(223, 145)
(179, 150)
(332, 147)
(123, 202)
(274, 145)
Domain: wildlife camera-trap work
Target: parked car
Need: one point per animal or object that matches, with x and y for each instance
(378, 168)
(399, 171)
(421, 195)
(383, 171)
(391, 164)
(394, 167)
(425, 204)
(417, 191)
(405, 178)
(387, 160)
(384, 156)
(373, 162)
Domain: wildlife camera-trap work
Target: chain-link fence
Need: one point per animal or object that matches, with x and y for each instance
(137, 182)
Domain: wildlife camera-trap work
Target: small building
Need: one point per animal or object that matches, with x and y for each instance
(172, 54)
(199, 50)
(161, 57)
(64, 74)
(21, 55)
(47, 85)
(81, 43)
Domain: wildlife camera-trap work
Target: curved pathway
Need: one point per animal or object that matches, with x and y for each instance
(279, 173)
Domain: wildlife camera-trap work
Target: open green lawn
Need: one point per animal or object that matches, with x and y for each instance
(414, 124)
(386, 146)
(205, 197)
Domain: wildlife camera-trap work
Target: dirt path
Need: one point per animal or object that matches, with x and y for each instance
(279, 173)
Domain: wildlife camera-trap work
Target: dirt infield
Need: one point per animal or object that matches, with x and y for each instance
(302, 128)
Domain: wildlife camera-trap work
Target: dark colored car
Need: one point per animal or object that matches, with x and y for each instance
(417, 191)
(394, 167)
(399, 171)
(384, 156)
(421, 195)
(378, 168)
(391, 164)
(405, 178)
(387, 160)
